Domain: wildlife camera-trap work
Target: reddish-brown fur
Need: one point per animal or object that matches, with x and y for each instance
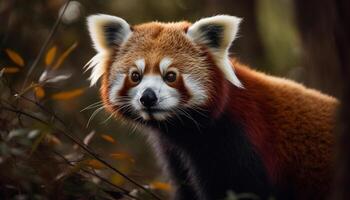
(290, 126)
(152, 42)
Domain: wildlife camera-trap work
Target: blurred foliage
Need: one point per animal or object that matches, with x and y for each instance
(283, 53)
(37, 159)
(40, 154)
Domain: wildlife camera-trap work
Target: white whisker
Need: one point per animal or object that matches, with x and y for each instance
(93, 105)
(94, 114)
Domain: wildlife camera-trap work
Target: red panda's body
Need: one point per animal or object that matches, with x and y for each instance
(217, 126)
(293, 130)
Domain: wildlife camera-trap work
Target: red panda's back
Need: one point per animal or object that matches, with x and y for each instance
(301, 122)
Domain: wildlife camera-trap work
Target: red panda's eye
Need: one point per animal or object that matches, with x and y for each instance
(135, 77)
(170, 77)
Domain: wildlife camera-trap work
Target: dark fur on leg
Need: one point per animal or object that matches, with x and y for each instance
(213, 160)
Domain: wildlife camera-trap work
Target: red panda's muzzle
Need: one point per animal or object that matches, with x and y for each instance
(148, 98)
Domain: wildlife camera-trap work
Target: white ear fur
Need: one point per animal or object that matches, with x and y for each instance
(107, 33)
(217, 33)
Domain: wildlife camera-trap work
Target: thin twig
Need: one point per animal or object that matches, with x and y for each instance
(78, 142)
(86, 149)
(46, 43)
(53, 114)
(125, 192)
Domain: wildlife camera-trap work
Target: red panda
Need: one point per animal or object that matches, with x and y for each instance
(216, 125)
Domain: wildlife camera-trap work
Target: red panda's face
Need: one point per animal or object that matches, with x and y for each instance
(156, 71)
(156, 77)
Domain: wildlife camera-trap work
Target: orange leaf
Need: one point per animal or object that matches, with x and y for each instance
(108, 138)
(52, 140)
(39, 92)
(64, 56)
(10, 70)
(68, 94)
(122, 156)
(50, 55)
(15, 57)
(116, 179)
(160, 186)
(95, 164)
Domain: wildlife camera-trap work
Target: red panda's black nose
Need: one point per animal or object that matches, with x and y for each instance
(149, 98)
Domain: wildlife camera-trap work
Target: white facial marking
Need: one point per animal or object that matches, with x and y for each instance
(117, 84)
(140, 63)
(199, 95)
(160, 116)
(167, 96)
(144, 115)
(164, 64)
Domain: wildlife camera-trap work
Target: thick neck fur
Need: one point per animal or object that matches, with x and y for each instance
(216, 149)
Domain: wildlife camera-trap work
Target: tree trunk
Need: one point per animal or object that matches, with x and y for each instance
(325, 31)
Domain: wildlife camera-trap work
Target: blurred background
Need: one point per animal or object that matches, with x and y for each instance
(302, 40)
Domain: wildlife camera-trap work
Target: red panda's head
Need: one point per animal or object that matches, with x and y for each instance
(155, 71)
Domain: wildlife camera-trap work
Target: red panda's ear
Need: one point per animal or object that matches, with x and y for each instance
(217, 33)
(108, 32)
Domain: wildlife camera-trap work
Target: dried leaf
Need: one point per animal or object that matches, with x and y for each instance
(15, 133)
(64, 56)
(50, 56)
(58, 78)
(160, 186)
(69, 171)
(2, 71)
(122, 156)
(116, 179)
(52, 140)
(39, 92)
(95, 164)
(68, 94)
(37, 141)
(33, 134)
(51, 77)
(15, 57)
(108, 138)
(75, 155)
(43, 76)
(10, 70)
(88, 138)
